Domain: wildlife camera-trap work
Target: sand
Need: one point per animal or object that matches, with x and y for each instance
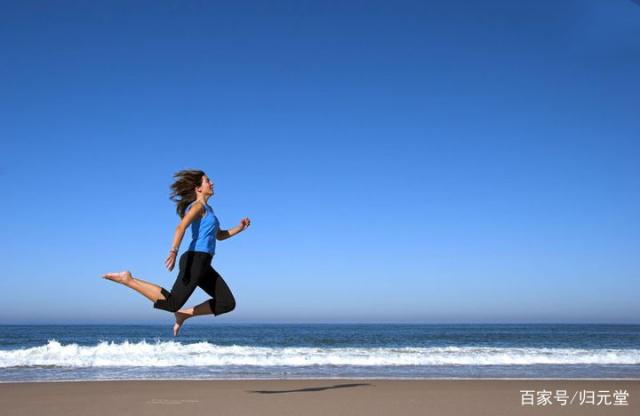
(318, 397)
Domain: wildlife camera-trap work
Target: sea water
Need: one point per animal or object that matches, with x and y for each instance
(290, 351)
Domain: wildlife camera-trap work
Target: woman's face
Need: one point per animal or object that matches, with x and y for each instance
(206, 187)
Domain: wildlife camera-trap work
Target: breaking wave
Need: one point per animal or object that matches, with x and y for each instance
(171, 353)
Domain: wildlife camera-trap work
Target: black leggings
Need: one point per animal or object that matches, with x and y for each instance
(196, 270)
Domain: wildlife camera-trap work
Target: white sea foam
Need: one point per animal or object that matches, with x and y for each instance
(171, 353)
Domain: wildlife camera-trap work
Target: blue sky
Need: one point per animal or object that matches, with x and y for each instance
(436, 162)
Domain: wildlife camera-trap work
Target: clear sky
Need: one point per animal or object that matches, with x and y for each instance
(429, 161)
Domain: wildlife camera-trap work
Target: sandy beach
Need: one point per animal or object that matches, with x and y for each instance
(322, 397)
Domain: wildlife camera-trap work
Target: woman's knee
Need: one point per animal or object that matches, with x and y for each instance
(166, 306)
(169, 304)
(174, 308)
(231, 305)
(219, 308)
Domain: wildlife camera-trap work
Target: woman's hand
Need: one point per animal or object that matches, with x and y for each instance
(171, 260)
(245, 223)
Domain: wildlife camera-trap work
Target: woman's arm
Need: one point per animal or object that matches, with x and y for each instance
(177, 236)
(224, 234)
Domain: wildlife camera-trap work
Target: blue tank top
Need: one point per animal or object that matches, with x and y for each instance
(203, 231)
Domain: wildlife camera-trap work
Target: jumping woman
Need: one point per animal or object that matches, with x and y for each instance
(191, 191)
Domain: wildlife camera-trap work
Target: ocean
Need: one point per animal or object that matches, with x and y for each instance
(298, 351)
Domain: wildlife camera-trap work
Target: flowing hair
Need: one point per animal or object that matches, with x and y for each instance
(183, 189)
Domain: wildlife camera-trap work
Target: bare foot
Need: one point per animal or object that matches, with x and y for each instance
(180, 318)
(120, 277)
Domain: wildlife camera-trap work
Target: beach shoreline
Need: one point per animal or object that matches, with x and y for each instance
(344, 396)
(336, 378)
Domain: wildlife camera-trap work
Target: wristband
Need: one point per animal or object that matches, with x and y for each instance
(173, 250)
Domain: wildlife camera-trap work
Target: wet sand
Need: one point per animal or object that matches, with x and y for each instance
(320, 397)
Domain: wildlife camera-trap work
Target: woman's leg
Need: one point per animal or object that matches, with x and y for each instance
(186, 313)
(222, 299)
(192, 266)
(147, 289)
(202, 309)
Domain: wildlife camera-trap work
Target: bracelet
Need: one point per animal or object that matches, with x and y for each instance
(174, 250)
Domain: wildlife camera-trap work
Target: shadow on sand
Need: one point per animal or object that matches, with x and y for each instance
(308, 389)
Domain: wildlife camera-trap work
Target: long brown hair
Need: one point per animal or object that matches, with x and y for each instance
(183, 189)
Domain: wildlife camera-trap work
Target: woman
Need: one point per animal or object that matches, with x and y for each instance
(191, 191)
